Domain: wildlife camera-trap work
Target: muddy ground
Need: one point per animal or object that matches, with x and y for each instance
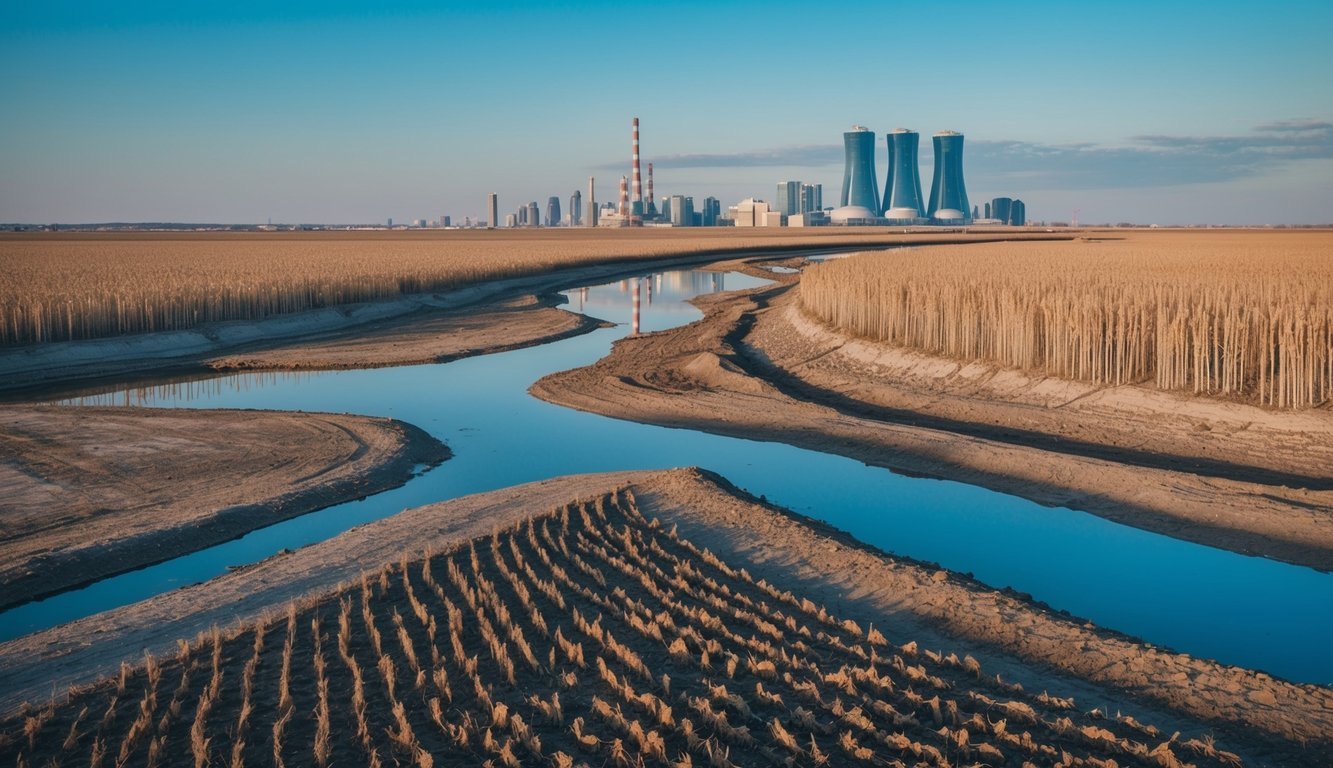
(943, 636)
(88, 492)
(725, 374)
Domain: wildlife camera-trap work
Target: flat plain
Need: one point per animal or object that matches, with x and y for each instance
(668, 619)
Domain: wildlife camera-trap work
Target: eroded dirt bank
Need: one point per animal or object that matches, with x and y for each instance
(87, 492)
(944, 636)
(714, 376)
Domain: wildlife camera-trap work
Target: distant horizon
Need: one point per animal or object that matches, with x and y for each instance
(151, 226)
(333, 113)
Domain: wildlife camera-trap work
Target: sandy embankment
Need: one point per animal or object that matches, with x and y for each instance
(1266, 722)
(429, 337)
(89, 492)
(719, 375)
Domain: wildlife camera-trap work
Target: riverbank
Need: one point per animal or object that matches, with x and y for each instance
(428, 337)
(482, 268)
(759, 592)
(715, 375)
(90, 492)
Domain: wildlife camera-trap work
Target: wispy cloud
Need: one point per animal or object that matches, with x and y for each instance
(1157, 160)
(1152, 160)
(808, 156)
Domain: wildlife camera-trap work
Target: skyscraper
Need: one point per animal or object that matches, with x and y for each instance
(1000, 208)
(902, 189)
(682, 211)
(948, 196)
(534, 216)
(592, 201)
(712, 211)
(576, 209)
(789, 198)
(812, 198)
(493, 205)
(553, 211)
(859, 186)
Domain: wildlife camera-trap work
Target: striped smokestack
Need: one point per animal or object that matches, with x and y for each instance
(638, 179)
(650, 187)
(624, 197)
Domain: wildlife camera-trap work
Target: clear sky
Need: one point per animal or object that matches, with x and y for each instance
(1152, 112)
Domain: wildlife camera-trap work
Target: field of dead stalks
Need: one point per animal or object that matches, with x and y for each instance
(1243, 315)
(586, 636)
(90, 285)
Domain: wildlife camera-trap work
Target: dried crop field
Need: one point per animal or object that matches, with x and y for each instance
(1241, 315)
(90, 285)
(587, 636)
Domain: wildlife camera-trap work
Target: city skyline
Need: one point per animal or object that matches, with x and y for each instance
(332, 114)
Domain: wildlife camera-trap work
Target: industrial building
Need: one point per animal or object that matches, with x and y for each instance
(948, 195)
(797, 203)
(903, 203)
(859, 187)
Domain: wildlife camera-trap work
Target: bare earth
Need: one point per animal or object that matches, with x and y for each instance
(977, 650)
(431, 337)
(87, 492)
(725, 374)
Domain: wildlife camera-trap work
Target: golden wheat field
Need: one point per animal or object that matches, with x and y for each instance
(89, 285)
(1243, 315)
(586, 636)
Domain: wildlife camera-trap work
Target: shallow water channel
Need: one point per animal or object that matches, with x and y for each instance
(1236, 609)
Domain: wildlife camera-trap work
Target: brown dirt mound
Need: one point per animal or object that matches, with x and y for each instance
(87, 492)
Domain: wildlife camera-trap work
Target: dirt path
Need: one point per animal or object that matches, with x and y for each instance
(703, 376)
(925, 614)
(88, 492)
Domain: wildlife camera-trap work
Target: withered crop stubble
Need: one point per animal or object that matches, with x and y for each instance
(586, 636)
(86, 285)
(1246, 316)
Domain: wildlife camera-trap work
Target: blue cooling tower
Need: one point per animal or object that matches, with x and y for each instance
(948, 196)
(902, 189)
(859, 186)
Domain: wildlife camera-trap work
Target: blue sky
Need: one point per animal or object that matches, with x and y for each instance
(328, 112)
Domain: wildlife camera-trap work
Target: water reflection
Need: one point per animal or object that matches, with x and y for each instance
(1172, 593)
(192, 389)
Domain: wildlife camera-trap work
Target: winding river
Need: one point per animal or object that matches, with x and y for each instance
(1211, 603)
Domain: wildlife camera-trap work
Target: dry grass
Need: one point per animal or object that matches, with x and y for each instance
(80, 286)
(680, 660)
(1242, 315)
